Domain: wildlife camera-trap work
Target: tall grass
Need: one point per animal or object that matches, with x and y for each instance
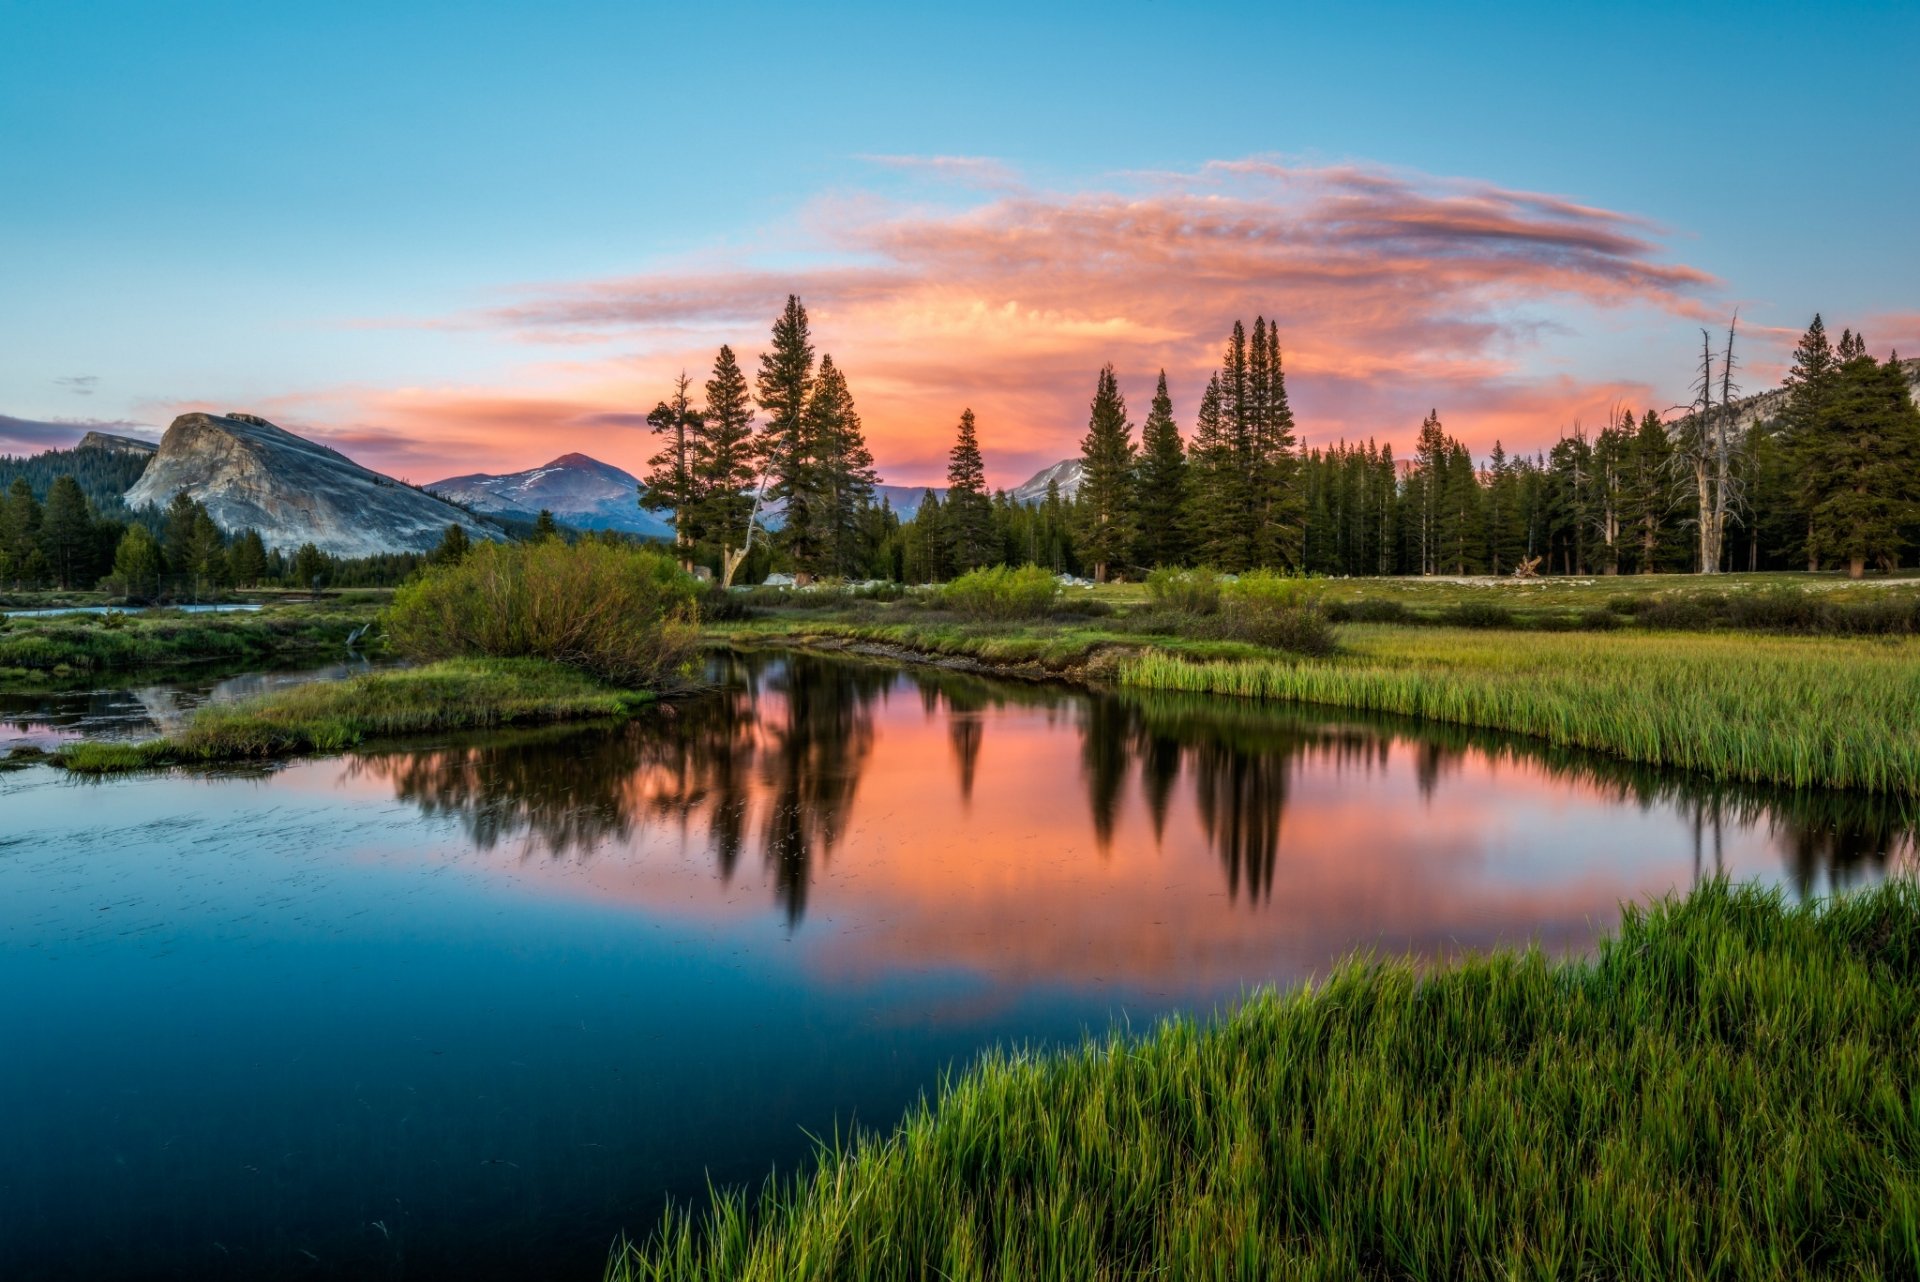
(1725, 1091)
(460, 694)
(625, 614)
(89, 643)
(1806, 712)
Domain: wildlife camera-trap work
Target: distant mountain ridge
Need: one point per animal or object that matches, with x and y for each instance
(117, 444)
(254, 475)
(579, 490)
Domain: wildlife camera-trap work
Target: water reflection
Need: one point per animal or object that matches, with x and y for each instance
(774, 761)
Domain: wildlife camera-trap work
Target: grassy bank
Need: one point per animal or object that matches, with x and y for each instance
(1726, 1090)
(458, 694)
(32, 650)
(1800, 711)
(1758, 707)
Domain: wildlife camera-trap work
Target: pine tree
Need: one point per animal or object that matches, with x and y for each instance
(969, 512)
(248, 558)
(176, 539)
(1279, 500)
(1867, 443)
(20, 533)
(844, 475)
(1810, 385)
(671, 484)
(1611, 467)
(1214, 530)
(1105, 501)
(453, 548)
(785, 387)
(66, 532)
(545, 527)
(1162, 503)
(1649, 497)
(137, 564)
(206, 553)
(725, 457)
(1426, 497)
(310, 564)
(1506, 531)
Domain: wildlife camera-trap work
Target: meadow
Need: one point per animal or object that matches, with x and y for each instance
(35, 651)
(454, 694)
(1761, 679)
(1724, 1090)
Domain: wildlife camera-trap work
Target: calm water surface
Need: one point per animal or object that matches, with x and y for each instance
(474, 1009)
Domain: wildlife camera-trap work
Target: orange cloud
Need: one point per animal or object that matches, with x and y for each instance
(1394, 293)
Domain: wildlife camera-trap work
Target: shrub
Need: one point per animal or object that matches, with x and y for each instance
(625, 614)
(1299, 628)
(1270, 588)
(1002, 593)
(1188, 591)
(1479, 614)
(1368, 612)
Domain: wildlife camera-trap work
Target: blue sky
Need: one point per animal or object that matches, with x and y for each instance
(327, 210)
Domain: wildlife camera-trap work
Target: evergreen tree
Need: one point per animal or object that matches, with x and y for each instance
(138, 565)
(310, 564)
(725, 456)
(1426, 493)
(1105, 500)
(1867, 444)
(969, 513)
(206, 561)
(248, 558)
(1506, 530)
(1279, 499)
(785, 387)
(1162, 504)
(1649, 495)
(1214, 489)
(66, 533)
(20, 534)
(1611, 478)
(1810, 385)
(545, 527)
(671, 480)
(177, 539)
(453, 548)
(843, 470)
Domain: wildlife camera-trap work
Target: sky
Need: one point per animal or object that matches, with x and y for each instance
(449, 238)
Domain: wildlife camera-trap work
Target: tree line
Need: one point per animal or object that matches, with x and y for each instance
(1828, 476)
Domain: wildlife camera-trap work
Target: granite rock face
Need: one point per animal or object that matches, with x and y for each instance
(115, 444)
(251, 474)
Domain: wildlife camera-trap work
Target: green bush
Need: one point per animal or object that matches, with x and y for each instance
(1479, 614)
(625, 614)
(1002, 593)
(1188, 591)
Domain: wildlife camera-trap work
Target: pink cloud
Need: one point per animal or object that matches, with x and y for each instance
(1394, 293)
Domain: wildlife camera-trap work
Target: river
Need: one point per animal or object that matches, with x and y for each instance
(473, 1008)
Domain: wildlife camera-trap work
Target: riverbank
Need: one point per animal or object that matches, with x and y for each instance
(1722, 1091)
(1798, 711)
(60, 648)
(456, 694)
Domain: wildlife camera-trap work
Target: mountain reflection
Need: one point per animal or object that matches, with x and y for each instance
(773, 759)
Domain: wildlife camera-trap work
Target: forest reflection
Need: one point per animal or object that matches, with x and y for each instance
(769, 766)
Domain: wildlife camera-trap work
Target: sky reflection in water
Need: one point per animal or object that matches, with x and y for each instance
(475, 1009)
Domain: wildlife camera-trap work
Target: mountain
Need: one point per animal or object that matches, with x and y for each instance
(251, 474)
(580, 491)
(117, 444)
(906, 499)
(1767, 406)
(1033, 490)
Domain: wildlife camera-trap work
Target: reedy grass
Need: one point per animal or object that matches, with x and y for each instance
(1725, 1091)
(33, 648)
(457, 694)
(1803, 712)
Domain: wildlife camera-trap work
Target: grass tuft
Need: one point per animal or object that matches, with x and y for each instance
(1726, 1090)
(458, 694)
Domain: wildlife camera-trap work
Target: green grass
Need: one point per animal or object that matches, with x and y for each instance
(1799, 711)
(1725, 1091)
(32, 649)
(458, 694)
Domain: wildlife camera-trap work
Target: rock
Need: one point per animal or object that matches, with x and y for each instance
(254, 475)
(115, 444)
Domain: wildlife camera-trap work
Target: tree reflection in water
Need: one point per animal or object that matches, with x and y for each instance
(777, 750)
